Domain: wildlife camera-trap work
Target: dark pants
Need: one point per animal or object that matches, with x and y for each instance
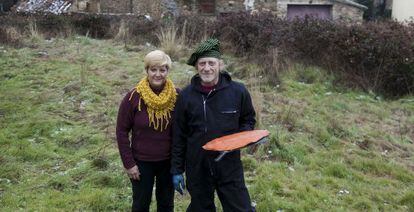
(225, 177)
(159, 172)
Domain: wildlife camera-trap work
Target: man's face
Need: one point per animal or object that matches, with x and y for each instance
(208, 68)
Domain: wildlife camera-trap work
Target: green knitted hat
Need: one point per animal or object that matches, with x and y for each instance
(208, 48)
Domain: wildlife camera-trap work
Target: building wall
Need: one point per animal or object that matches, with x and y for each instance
(340, 11)
(148, 7)
(403, 10)
(282, 5)
(347, 13)
(115, 6)
(93, 6)
(225, 6)
(266, 5)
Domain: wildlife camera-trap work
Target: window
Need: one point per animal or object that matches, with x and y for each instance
(207, 7)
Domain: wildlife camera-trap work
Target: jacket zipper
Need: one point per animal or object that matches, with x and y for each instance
(204, 108)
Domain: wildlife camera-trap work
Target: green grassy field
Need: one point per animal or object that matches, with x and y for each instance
(331, 149)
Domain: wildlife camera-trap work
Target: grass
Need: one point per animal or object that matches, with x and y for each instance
(330, 149)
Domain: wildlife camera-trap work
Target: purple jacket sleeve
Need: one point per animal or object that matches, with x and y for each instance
(124, 125)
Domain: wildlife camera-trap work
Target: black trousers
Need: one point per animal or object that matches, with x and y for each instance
(225, 177)
(158, 172)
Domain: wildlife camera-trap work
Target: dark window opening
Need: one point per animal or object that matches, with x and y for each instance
(317, 11)
(207, 7)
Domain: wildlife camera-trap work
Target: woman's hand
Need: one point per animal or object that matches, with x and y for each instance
(133, 172)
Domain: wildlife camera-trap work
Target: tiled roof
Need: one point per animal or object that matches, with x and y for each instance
(44, 6)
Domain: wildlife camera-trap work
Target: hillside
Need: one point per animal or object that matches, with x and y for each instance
(331, 148)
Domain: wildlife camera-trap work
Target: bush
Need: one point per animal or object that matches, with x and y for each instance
(143, 30)
(196, 28)
(10, 36)
(375, 56)
(96, 26)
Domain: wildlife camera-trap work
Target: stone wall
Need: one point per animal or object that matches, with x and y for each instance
(115, 6)
(93, 6)
(267, 5)
(347, 13)
(340, 11)
(155, 8)
(225, 6)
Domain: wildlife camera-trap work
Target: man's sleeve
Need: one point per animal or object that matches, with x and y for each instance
(247, 114)
(123, 127)
(179, 141)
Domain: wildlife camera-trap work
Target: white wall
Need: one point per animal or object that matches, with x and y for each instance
(403, 10)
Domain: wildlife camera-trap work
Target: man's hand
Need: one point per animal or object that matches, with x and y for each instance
(133, 172)
(178, 181)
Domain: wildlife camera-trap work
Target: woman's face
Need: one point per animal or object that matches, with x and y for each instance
(157, 76)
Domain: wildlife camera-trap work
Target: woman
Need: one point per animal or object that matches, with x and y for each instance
(146, 112)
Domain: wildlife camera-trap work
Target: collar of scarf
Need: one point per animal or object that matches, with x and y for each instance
(159, 106)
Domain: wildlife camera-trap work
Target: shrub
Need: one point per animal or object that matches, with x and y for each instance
(142, 30)
(95, 26)
(10, 36)
(52, 25)
(199, 28)
(375, 56)
(171, 42)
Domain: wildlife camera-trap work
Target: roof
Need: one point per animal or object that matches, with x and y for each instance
(352, 3)
(347, 2)
(44, 6)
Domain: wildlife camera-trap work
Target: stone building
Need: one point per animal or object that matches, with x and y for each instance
(92, 6)
(326, 9)
(141, 7)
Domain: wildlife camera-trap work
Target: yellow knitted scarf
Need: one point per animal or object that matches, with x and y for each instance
(159, 106)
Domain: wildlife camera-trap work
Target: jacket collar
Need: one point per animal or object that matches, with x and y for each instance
(224, 81)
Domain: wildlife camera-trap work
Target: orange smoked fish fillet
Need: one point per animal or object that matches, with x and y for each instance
(236, 140)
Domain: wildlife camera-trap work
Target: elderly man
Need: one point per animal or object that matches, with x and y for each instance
(210, 107)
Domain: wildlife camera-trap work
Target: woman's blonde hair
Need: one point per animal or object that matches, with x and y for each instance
(157, 58)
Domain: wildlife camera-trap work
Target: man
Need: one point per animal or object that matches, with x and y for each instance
(210, 107)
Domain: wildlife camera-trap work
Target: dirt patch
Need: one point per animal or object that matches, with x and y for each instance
(364, 144)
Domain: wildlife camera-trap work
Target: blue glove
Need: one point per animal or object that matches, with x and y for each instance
(178, 181)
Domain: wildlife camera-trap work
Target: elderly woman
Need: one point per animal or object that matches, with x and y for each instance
(146, 112)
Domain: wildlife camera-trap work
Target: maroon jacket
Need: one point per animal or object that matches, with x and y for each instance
(146, 144)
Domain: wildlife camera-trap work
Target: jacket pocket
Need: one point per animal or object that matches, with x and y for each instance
(228, 120)
(229, 112)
